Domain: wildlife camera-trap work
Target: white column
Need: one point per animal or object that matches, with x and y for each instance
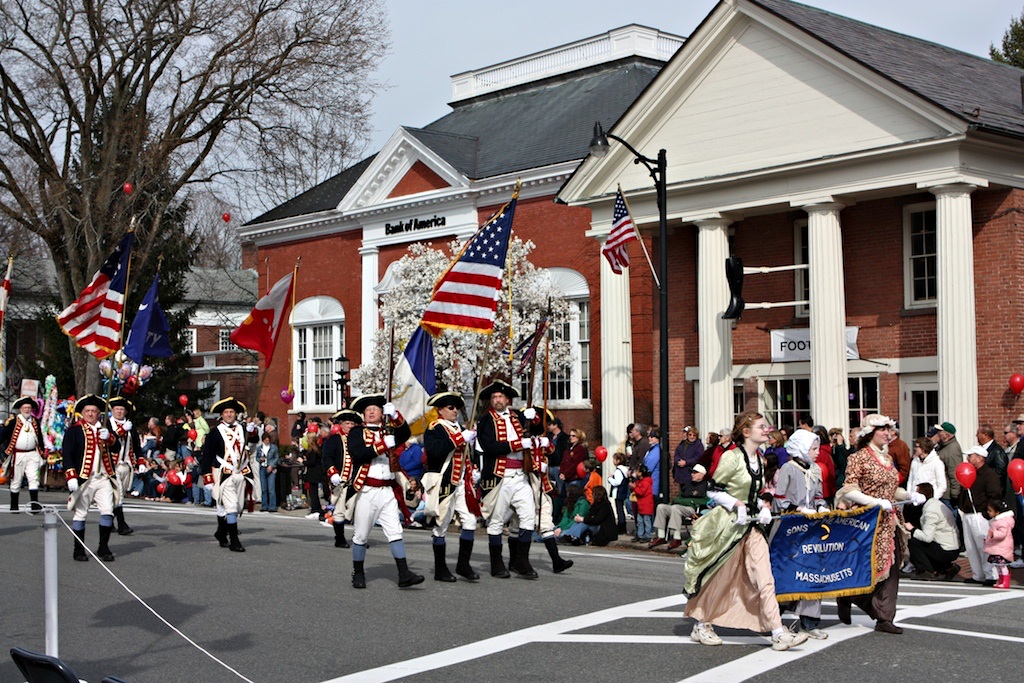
(714, 335)
(616, 358)
(830, 403)
(956, 324)
(368, 323)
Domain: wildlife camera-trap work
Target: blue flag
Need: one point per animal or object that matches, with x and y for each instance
(415, 378)
(150, 334)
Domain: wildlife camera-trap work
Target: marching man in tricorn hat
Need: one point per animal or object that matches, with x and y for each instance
(23, 442)
(339, 468)
(449, 468)
(379, 494)
(225, 469)
(89, 468)
(125, 449)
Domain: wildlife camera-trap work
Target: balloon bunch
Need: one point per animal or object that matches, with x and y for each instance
(55, 416)
(124, 375)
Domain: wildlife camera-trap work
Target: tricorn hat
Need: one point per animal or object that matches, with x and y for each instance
(25, 401)
(361, 403)
(446, 398)
(90, 400)
(122, 401)
(229, 403)
(347, 415)
(498, 386)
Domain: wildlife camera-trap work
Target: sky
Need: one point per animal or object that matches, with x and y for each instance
(432, 41)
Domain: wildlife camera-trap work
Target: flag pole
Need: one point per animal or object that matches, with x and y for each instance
(266, 370)
(3, 324)
(639, 237)
(127, 279)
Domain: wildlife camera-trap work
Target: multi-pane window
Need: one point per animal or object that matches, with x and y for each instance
(318, 341)
(920, 263)
(225, 341)
(784, 400)
(864, 399)
(573, 382)
(801, 280)
(739, 401)
(190, 340)
(924, 411)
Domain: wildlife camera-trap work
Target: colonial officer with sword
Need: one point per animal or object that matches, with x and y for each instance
(225, 469)
(339, 468)
(23, 443)
(90, 470)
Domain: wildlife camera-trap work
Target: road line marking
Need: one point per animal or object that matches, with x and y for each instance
(958, 632)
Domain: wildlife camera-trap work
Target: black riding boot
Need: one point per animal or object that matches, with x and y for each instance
(14, 500)
(441, 572)
(80, 546)
(33, 495)
(222, 532)
(513, 550)
(122, 527)
(339, 536)
(235, 545)
(463, 568)
(358, 577)
(522, 564)
(406, 577)
(557, 562)
(497, 565)
(103, 551)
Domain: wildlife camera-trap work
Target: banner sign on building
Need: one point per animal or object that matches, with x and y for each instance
(794, 344)
(825, 555)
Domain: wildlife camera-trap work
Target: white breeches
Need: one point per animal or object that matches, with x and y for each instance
(125, 472)
(456, 506)
(231, 496)
(516, 494)
(26, 465)
(95, 489)
(376, 504)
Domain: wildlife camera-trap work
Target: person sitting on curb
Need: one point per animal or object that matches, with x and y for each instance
(685, 507)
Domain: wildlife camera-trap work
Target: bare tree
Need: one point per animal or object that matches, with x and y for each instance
(166, 94)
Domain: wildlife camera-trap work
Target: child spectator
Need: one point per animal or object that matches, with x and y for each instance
(619, 481)
(999, 543)
(592, 479)
(644, 490)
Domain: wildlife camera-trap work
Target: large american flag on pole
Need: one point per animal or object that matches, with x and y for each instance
(622, 233)
(93, 320)
(466, 295)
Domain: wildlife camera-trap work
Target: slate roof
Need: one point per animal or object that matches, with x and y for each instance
(528, 126)
(221, 287)
(958, 82)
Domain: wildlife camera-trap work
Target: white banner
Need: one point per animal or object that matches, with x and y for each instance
(794, 344)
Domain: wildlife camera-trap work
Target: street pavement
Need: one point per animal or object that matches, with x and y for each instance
(285, 611)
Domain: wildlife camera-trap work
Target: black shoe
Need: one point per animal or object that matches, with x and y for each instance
(974, 581)
(103, 552)
(557, 563)
(951, 573)
(222, 532)
(888, 627)
(988, 582)
(843, 608)
(406, 577)
(341, 543)
(441, 572)
(358, 580)
(125, 530)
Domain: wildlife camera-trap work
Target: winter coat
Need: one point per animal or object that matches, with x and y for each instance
(644, 491)
(601, 515)
(1000, 536)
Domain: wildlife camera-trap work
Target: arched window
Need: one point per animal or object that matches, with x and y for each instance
(572, 388)
(318, 338)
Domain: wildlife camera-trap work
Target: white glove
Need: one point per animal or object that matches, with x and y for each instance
(544, 442)
(250, 427)
(543, 466)
(476, 477)
(142, 469)
(208, 487)
(72, 485)
(764, 516)
(389, 441)
(104, 433)
(335, 479)
(127, 425)
(806, 511)
(228, 469)
(884, 503)
(917, 499)
(822, 508)
(469, 435)
(529, 414)
(527, 443)
(741, 515)
(390, 410)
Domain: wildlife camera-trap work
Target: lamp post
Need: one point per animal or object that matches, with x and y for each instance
(656, 167)
(341, 367)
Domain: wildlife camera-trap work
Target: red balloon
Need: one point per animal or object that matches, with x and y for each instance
(190, 461)
(226, 217)
(1016, 382)
(336, 429)
(183, 400)
(581, 470)
(1015, 470)
(131, 385)
(127, 188)
(313, 428)
(187, 480)
(161, 487)
(966, 474)
(193, 434)
(174, 479)
(601, 453)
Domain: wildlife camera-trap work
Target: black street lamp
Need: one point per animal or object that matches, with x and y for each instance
(341, 367)
(656, 167)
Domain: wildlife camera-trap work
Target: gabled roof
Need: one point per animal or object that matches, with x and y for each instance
(958, 82)
(322, 197)
(221, 286)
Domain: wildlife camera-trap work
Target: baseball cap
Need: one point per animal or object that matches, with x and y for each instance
(978, 450)
(699, 468)
(946, 427)
(932, 431)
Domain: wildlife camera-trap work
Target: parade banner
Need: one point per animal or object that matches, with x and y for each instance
(824, 555)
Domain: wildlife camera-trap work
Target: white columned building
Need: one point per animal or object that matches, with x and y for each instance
(616, 356)
(714, 334)
(829, 388)
(956, 325)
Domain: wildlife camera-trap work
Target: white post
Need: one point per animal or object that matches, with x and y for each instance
(829, 385)
(368, 323)
(956, 324)
(714, 335)
(50, 524)
(616, 359)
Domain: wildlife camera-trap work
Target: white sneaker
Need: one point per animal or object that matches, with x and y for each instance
(787, 640)
(815, 633)
(313, 515)
(1017, 564)
(705, 635)
(908, 568)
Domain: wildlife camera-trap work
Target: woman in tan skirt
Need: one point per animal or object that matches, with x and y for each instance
(728, 574)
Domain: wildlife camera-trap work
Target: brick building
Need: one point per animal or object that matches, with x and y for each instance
(890, 166)
(527, 118)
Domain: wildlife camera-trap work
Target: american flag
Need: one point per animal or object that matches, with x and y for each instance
(622, 233)
(466, 295)
(93, 320)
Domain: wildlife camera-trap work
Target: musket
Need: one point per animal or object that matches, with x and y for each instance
(389, 427)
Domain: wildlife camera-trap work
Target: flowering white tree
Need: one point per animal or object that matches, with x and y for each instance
(458, 355)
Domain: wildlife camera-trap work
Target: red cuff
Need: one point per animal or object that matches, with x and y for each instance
(331, 471)
(379, 447)
(516, 445)
(71, 474)
(457, 439)
(208, 478)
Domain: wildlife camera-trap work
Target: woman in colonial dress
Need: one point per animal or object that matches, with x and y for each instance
(728, 575)
(872, 479)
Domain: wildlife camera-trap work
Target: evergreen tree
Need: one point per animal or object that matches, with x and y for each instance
(1012, 51)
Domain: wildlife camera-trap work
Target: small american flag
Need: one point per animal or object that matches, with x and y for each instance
(466, 295)
(93, 320)
(622, 233)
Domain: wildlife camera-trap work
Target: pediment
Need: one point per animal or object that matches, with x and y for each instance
(750, 93)
(404, 167)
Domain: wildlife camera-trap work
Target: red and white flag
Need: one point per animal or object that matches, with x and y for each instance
(259, 332)
(622, 233)
(5, 290)
(93, 320)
